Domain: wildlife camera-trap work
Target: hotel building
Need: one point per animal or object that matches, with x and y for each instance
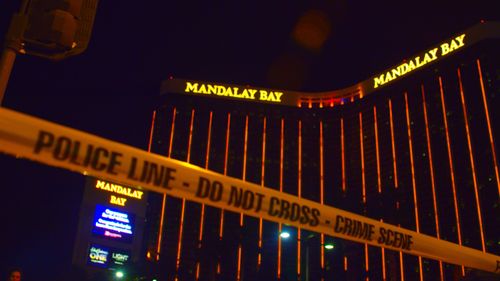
(415, 146)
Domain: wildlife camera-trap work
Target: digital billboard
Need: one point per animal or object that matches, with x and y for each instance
(113, 224)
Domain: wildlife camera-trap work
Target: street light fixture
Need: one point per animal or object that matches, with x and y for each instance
(285, 234)
(119, 274)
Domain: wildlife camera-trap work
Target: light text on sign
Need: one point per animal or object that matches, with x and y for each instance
(419, 61)
(234, 92)
(117, 200)
(115, 188)
(98, 255)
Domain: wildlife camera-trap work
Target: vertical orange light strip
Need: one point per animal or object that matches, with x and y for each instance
(384, 274)
(226, 154)
(410, 144)
(183, 208)
(151, 131)
(299, 191)
(321, 193)
(172, 129)
(452, 170)
(393, 146)
(342, 148)
(471, 157)
(245, 150)
(379, 180)
(279, 252)
(202, 215)
(190, 140)
(486, 111)
(367, 268)
(321, 164)
(238, 271)
(394, 163)
(363, 178)
(362, 152)
(161, 216)
(164, 199)
(431, 167)
(282, 152)
(413, 182)
(262, 181)
(179, 245)
(401, 267)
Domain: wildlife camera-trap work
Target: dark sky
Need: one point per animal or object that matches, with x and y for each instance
(110, 89)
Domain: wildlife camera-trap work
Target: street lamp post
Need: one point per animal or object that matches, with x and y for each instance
(13, 45)
(307, 260)
(327, 246)
(48, 29)
(308, 238)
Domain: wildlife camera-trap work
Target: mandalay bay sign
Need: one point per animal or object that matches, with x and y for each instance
(419, 61)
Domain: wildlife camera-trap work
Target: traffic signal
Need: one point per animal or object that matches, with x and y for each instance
(57, 29)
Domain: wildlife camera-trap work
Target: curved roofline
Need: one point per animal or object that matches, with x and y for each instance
(446, 48)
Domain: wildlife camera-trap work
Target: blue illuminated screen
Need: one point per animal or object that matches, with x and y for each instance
(113, 224)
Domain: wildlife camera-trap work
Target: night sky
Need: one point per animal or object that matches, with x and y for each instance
(110, 90)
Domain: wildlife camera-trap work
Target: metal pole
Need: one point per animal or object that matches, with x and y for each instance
(6, 64)
(13, 45)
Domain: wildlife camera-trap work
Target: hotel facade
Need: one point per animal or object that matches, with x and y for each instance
(414, 146)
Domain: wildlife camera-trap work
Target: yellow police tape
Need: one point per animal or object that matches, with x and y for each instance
(55, 145)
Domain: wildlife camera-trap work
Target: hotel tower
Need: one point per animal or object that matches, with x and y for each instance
(415, 146)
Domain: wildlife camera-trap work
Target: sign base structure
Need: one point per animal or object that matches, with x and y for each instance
(59, 146)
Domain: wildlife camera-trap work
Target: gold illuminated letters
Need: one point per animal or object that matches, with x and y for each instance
(419, 61)
(233, 92)
(270, 96)
(117, 200)
(127, 191)
(453, 45)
